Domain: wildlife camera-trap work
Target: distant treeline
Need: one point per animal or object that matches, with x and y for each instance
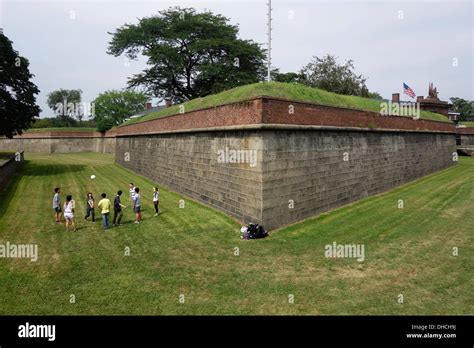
(62, 121)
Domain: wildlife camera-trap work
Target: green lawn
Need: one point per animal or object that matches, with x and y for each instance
(467, 124)
(296, 92)
(190, 251)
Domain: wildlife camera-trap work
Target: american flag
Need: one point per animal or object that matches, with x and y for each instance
(407, 90)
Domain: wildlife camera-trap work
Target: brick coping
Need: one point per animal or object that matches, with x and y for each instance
(266, 112)
(278, 126)
(266, 97)
(262, 110)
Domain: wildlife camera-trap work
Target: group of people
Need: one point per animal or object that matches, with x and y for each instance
(104, 205)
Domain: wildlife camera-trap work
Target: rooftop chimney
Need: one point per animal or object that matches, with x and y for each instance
(396, 98)
(419, 98)
(148, 106)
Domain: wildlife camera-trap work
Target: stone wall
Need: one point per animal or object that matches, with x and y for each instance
(467, 136)
(8, 168)
(321, 170)
(56, 144)
(188, 163)
(303, 166)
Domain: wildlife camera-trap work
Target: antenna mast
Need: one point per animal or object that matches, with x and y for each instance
(269, 34)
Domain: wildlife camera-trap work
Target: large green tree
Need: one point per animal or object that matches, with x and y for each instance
(189, 54)
(464, 107)
(65, 103)
(112, 107)
(326, 73)
(18, 107)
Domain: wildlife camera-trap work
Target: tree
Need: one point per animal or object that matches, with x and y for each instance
(112, 107)
(18, 107)
(464, 107)
(289, 77)
(66, 103)
(189, 54)
(327, 74)
(374, 95)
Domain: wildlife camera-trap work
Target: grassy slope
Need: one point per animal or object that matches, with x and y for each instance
(467, 124)
(191, 251)
(61, 129)
(284, 90)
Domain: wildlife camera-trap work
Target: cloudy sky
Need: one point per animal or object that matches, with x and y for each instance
(391, 42)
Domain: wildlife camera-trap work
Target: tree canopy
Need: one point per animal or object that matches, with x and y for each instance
(18, 107)
(326, 73)
(65, 103)
(112, 107)
(464, 107)
(189, 54)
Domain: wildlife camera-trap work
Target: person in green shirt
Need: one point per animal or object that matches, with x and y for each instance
(104, 205)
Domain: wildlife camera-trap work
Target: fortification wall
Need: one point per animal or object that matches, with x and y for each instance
(312, 171)
(300, 169)
(60, 142)
(466, 136)
(188, 163)
(308, 158)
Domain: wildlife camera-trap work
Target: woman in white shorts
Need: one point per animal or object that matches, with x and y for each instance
(69, 212)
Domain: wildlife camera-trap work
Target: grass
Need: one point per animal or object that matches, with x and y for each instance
(190, 251)
(282, 90)
(467, 124)
(61, 129)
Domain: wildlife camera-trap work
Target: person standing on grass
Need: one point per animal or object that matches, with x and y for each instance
(57, 205)
(90, 207)
(118, 209)
(131, 189)
(104, 205)
(136, 205)
(69, 212)
(156, 199)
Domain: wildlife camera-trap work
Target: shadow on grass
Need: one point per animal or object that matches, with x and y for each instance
(7, 194)
(33, 169)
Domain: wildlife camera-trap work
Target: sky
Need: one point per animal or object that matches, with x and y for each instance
(390, 42)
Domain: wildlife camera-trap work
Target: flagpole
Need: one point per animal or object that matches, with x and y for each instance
(269, 34)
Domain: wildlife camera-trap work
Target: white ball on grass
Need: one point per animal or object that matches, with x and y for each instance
(92, 177)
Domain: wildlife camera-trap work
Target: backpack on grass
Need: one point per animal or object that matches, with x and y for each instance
(253, 231)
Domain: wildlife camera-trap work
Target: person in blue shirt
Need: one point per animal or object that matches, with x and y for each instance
(136, 205)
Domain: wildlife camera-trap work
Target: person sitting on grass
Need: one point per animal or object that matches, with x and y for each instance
(57, 205)
(90, 207)
(118, 209)
(136, 205)
(69, 213)
(104, 205)
(156, 199)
